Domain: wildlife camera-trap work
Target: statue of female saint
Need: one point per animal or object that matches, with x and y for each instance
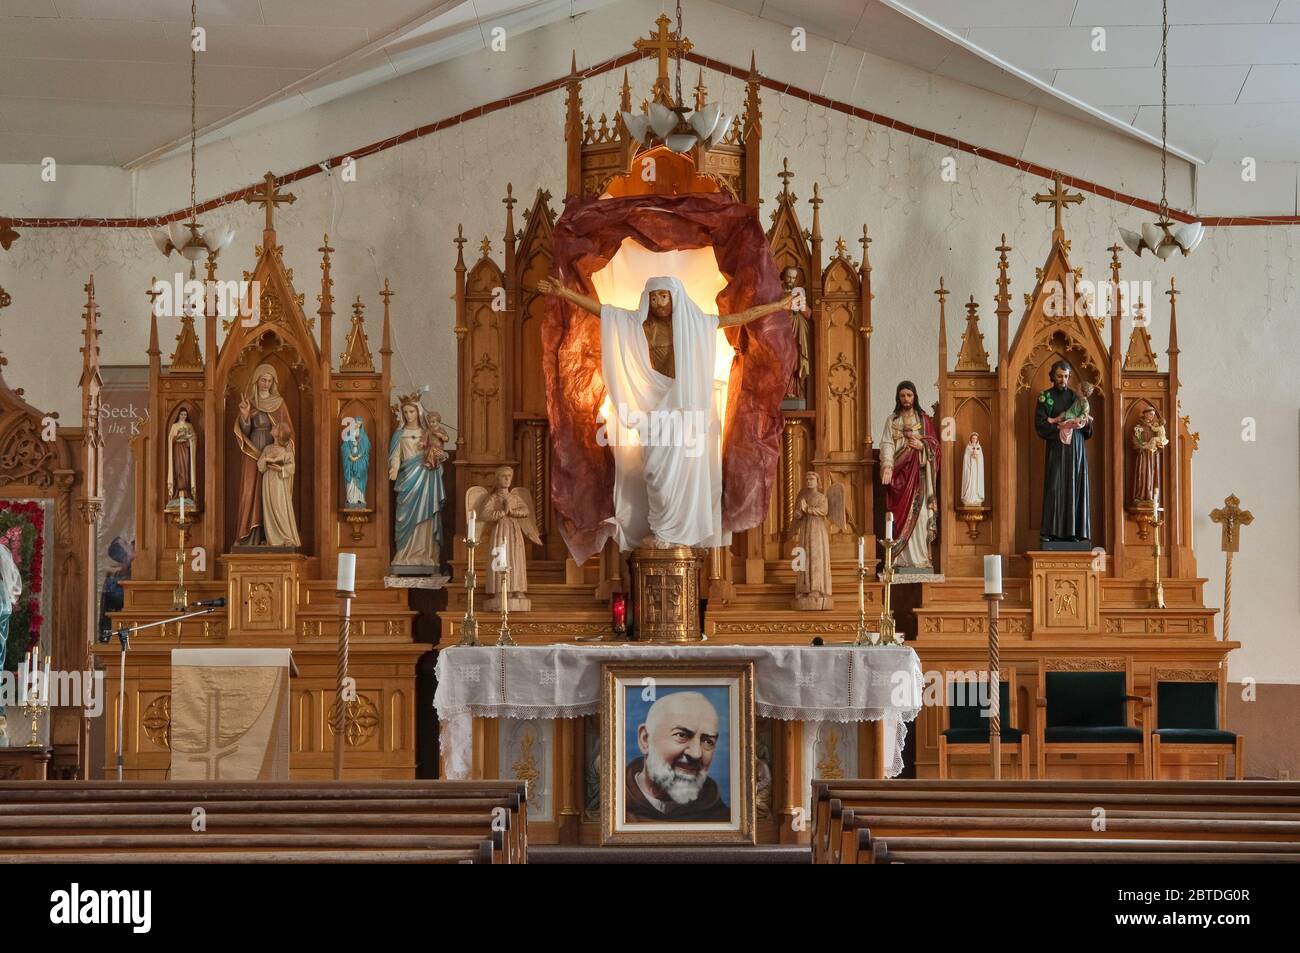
(276, 465)
(1149, 440)
(181, 450)
(415, 457)
(814, 514)
(261, 408)
(355, 454)
(909, 469)
(972, 473)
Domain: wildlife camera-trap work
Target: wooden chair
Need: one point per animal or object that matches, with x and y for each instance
(1084, 708)
(1187, 711)
(964, 723)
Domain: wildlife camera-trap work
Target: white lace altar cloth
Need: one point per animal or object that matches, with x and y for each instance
(791, 683)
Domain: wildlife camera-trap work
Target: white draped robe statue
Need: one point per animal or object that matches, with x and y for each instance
(665, 432)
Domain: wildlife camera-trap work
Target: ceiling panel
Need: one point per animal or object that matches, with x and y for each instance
(1288, 11)
(955, 14)
(379, 16)
(833, 19)
(1142, 12)
(1272, 84)
(68, 150)
(1232, 44)
(178, 11)
(1187, 85)
(1070, 47)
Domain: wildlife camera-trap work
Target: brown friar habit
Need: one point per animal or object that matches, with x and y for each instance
(709, 806)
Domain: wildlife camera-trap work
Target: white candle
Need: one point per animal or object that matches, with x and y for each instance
(889, 527)
(862, 543)
(22, 680)
(182, 507)
(472, 531)
(992, 575)
(347, 574)
(1155, 500)
(45, 686)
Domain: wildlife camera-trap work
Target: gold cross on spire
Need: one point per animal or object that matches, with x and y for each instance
(1059, 198)
(267, 196)
(663, 43)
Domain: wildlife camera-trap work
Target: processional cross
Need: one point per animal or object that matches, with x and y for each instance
(1058, 197)
(266, 195)
(1231, 517)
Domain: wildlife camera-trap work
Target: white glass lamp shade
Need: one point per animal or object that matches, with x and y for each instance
(222, 239)
(179, 235)
(162, 240)
(1190, 235)
(722, 128)
(705, 120)
(1132, 240)
(637, 126)
(681, 142)
(1153, 235)
(662, 119)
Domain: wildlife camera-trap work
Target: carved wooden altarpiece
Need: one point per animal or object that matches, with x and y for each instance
(275, 597)
(1064, 603)
(57, 468)
(502, 409)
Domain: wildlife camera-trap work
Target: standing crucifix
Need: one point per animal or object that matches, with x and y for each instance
(1060, 198)
(266, 195)
(1232, 518)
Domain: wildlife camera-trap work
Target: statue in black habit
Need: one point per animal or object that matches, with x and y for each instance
(1063, 421)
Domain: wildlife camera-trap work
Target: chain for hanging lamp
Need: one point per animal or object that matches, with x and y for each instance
(187, 239)
(1162, 237)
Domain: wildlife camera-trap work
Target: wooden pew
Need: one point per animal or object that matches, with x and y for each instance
(936, 803)
(427, 817)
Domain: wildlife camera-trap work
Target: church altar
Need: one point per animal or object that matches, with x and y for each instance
(525, 711)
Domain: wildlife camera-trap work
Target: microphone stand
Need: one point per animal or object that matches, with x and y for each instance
(124, 634)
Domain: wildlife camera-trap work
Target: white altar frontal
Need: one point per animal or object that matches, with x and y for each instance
(533, 713)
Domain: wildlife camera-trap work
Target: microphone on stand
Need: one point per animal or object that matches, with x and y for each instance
(209, 604)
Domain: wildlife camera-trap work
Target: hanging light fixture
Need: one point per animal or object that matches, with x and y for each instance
(679, 128)
(1162, 238)
(188, 239)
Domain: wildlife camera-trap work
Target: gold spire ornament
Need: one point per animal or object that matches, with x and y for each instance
(1231, 517)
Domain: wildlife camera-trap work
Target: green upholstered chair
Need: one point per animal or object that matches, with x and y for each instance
(1187, 712)
(964, 727)
(1084, 708)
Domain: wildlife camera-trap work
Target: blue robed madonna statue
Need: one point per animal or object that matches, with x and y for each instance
(415, 457)
(355, 454)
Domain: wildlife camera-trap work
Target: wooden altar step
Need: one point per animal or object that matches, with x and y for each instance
(266, 822)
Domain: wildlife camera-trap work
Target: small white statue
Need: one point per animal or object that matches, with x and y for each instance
(972, 473)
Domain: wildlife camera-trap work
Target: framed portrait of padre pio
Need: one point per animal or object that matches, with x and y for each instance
(677, 746)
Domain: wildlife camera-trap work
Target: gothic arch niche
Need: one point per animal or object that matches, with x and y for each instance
(200, 461)
(294, 380)
(378, 462)
(1034, 378)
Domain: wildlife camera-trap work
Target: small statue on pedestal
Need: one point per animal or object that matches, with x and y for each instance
(415, 458)
(1149, 440)
(796, 391)
(815, 513)
(510, 510)
(909, 468)
(972, 473)
(181, 443)
(355, 454)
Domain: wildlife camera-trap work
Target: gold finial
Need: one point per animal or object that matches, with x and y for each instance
(785, 175)
(943, 292)
(663, 43)
(386, 294)
(267, 196)
(1231, 517)
(485, 246)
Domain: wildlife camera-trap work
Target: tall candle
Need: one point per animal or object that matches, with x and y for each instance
(45, 686)
(862, 559)
(182, 507)
(992, 575)
(1155, 500)
(347, 573)
(472, 530)
(889, 527)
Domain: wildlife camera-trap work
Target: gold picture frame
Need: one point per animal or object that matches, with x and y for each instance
(720, 808)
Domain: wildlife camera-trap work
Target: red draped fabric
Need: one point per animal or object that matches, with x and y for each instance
(586, 236)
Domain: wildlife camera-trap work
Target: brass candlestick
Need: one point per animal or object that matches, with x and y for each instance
(180, 596)
(469, 624)
(888, 632)
(503, 594)
(34, 701)
(864, 637)
(1157, 521)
